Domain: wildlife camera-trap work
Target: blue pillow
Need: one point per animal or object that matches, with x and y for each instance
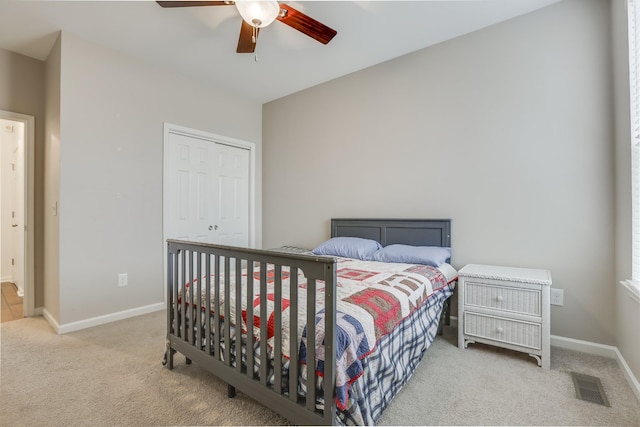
(428, 255)
(348, 247)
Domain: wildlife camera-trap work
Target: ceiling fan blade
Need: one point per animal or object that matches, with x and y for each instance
(245, 41)
(193, 3)
(305, 24)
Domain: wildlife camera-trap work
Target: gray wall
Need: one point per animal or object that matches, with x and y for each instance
(111, 114)
(507, 131)
(22, 91)
(627, 310)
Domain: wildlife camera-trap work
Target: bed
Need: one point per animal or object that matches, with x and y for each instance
(341, 335)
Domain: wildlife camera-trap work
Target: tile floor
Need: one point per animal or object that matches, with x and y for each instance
(11, 303)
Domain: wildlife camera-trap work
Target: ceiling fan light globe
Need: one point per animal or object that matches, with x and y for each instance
(259, 13)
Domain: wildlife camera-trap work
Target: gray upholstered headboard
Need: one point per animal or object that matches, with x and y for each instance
(417, 232)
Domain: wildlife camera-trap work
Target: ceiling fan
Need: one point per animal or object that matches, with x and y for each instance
(259, 14)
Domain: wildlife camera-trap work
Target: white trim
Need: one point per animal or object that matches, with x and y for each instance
(609, 351)
(29, 224)
(49, 318)
(100, 320)
(633, 27)
(584, 346)
(628, 374)
(633, 290)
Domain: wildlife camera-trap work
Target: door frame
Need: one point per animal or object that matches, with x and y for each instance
(214, 138)
(28, 300)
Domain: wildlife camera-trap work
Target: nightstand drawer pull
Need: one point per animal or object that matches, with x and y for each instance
(503, 330)
(505, 298)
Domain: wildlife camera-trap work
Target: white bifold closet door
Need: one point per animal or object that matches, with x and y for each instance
(207, 191)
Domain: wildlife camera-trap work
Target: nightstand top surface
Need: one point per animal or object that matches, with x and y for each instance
(525, 275)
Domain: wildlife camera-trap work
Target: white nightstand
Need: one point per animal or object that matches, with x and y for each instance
(506, 307)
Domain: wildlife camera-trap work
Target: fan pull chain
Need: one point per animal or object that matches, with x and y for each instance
(254, 39)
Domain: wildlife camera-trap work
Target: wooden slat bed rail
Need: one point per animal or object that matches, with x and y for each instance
(190, 327)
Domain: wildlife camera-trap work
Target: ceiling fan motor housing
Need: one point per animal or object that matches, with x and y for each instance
(258, 14)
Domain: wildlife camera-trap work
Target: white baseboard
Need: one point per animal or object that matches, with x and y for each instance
(609, 351)
(100, 320)
(628, 373)
(584, 346)
(589, 347)
(49, 318)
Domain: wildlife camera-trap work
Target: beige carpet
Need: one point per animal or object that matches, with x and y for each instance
(111, 375)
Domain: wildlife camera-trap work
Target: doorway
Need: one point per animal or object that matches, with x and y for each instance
(17, 195)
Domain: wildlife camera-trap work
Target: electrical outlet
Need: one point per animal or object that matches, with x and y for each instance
(123, 279)
(557, 297)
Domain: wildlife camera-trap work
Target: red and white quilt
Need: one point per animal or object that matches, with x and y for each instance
(372, 298)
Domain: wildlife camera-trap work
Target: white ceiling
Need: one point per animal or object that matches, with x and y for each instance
(201, 41)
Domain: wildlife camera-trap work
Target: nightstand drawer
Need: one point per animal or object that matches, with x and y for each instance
(509, 331)
(505, 298)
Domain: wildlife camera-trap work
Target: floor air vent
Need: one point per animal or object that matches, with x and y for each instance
(589, 388)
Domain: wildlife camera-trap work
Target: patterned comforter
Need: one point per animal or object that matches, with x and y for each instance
(372, 299)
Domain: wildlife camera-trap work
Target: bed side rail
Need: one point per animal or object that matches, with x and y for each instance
(210, 269)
